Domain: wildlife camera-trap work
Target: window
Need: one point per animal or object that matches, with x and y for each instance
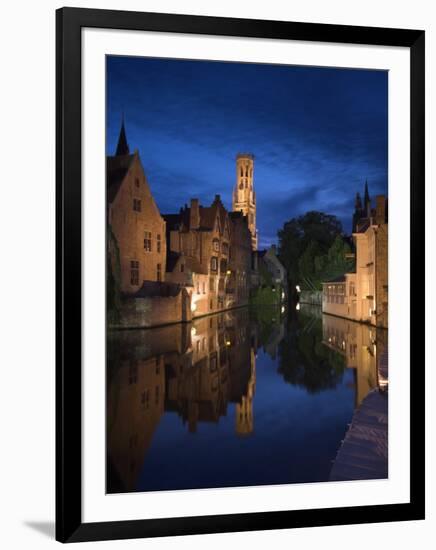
(223, 266)
(159, 272)
(158, 242)
(225, 248)
(133, 373)
(211, 284)
(198, 287)
(216, 245)
(136, 182)
(182, 268)
(137, 205)
(214, 264)
(147, 241)
(204, 287)
(145, 398)
(134, 272)
(242, 172)
(241, 185)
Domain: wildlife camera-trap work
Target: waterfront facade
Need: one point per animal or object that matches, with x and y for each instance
(138, 252)
(363, 295)
(173, 267)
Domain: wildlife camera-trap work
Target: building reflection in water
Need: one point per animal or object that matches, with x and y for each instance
(194, 370)
(363, 348)
(199, 372)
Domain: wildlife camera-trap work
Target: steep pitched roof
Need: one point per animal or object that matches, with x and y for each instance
(123, 146)
(208, 215)
(116, 170)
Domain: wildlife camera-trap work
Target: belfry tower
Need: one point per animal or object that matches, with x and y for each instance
(244, 197)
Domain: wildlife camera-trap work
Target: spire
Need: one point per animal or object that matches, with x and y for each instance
(367, 199)
(358, 203)
(123, 146)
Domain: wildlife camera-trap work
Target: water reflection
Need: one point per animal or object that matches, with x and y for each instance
(362, 347)
(240, 398)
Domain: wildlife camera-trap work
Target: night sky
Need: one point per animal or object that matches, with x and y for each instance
(316, 133)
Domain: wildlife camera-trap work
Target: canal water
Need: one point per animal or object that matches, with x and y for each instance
(246, 397)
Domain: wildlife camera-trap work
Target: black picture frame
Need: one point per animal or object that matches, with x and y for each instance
(69, 525)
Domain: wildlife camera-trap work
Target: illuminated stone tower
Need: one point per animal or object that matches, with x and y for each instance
(244, 197)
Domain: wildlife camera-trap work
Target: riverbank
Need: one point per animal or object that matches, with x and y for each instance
(364, 451)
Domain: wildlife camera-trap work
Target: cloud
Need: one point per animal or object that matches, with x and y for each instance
(316, 133)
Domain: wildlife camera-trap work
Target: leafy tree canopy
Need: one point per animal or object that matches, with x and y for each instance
(313, 249)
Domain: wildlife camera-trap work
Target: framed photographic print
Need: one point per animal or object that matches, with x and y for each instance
(240, 248)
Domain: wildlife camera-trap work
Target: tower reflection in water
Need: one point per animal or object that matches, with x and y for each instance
(166, 384)
(194, 370)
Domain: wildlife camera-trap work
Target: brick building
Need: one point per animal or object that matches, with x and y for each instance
(134, 219)
(209, 252)
(363, 295)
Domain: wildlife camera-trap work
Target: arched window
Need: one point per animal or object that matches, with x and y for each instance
(242, 173)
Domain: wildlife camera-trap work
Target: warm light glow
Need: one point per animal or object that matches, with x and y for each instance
(228, 343)
(193, 331)
(229, 272)
(298, 288)
(297, 307)
(193, 306)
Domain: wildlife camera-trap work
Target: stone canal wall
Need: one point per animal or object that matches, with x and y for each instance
(312, 297)
(139, 312)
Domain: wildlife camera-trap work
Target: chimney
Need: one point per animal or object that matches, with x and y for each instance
(380, 209)
(217, 198)
(194, 219)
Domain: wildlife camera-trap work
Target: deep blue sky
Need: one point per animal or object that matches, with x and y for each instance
(316, 133)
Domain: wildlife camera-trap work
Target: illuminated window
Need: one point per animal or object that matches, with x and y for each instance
(147, 241)
(134, 272)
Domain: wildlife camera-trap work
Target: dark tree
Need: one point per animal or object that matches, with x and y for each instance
(314, 230)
